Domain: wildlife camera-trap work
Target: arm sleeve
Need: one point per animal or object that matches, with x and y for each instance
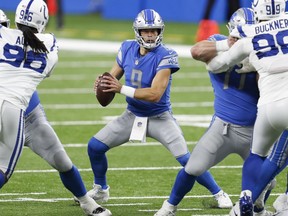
(234, 55)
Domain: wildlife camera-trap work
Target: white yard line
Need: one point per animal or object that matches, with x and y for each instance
(123, 105)
(125, 169)
(109, 47)
(90, 90)
(28, 199)
(183, 120)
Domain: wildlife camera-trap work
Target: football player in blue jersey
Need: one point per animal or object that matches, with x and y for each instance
(265, 45)
(147, 67)
(231, 129)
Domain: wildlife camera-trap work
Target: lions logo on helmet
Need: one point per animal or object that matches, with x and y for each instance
(4, 19)
(241, 17)
(268, 9)
(148, 19)
(33, 13)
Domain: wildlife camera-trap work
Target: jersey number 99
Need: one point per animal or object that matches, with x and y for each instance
(272, 45)
(273, 10)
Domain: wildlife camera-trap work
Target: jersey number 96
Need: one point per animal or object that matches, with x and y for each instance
(15, 55)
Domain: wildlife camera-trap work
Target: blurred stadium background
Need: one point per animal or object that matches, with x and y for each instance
(172, 10)
(140, 175)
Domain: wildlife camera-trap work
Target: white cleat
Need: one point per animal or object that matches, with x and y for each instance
(91, 208)
(259, 203)
(235, 211)
(98, 194)
(282, 213)
(264, 212)
(167, 209)
(223, 200)
(281, 205)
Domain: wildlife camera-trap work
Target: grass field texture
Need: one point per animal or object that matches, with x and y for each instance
(140, 175)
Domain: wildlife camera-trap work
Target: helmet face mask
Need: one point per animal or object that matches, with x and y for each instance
(241, 17)
(4, 19)
(268, 9)
(148, 19)
(32, 13)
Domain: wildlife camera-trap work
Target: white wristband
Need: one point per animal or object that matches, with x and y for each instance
(128, 91)
(222, 45)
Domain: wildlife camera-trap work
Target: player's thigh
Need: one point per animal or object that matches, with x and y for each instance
(166, 130)
(117, 131)
(277, 114)
(209, 150)
(267, 129)
(12, 137)
(40, 136)
(42, 140)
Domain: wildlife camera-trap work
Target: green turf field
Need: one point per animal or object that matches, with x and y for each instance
(140, 176)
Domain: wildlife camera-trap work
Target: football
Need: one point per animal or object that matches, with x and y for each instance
(104, 98)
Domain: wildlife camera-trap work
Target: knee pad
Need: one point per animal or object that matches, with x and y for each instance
(96, 147)
(183, 159)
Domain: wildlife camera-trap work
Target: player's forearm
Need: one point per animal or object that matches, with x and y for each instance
(233, 56)
(218, 64)
(203, 51)
(146, 94)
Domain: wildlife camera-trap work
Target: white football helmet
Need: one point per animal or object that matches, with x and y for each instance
(33, 13)
(4, 19)
(241, 17)
(268, 9)
(148, 19)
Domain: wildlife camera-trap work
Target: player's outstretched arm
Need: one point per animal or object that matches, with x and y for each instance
(234, 55)
(204, 51)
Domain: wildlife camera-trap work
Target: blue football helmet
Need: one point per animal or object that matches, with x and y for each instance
(4, 19)
(148, 19)
(241, 17)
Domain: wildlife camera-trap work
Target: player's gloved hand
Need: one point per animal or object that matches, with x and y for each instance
(245, 67)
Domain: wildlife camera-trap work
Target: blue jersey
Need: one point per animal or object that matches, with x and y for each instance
(34, 101)
(236, 95)
(139, 72)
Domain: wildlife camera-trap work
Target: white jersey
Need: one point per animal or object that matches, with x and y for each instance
(266, 44)
(21, 71)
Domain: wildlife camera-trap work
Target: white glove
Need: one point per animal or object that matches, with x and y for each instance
(245, 66)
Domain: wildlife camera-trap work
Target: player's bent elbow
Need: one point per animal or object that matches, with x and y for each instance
(154, 98)
(195, 52)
